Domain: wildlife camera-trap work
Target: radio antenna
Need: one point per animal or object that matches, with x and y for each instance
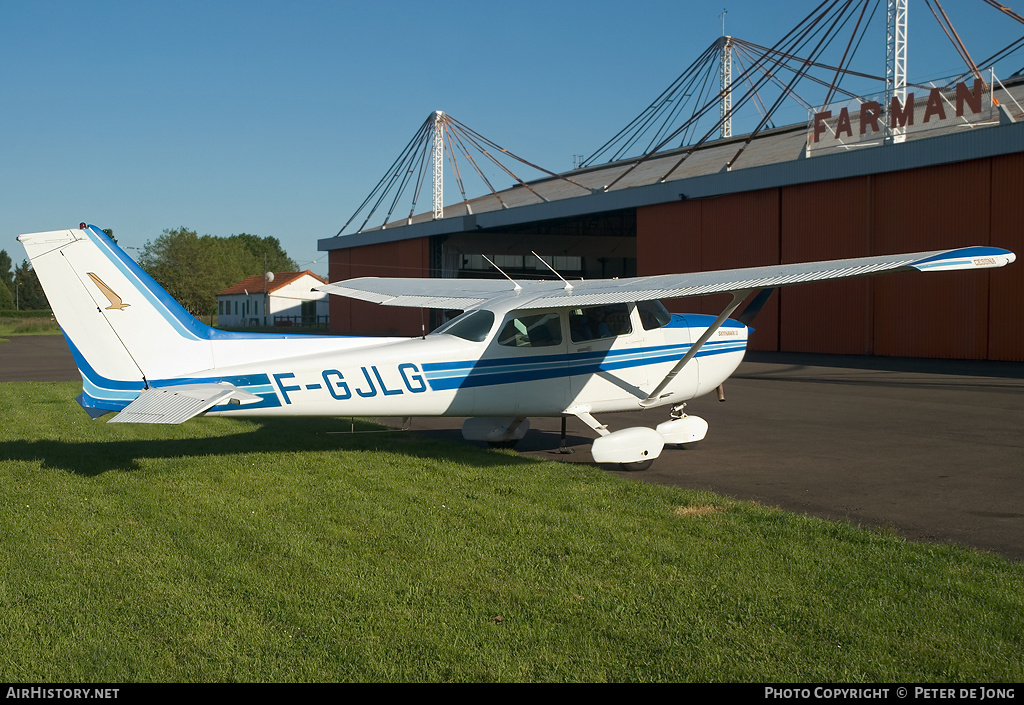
(518, 288)
(568, 286)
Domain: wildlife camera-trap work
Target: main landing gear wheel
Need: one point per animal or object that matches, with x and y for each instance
(636, 467)
(629, 449)
(497, 432)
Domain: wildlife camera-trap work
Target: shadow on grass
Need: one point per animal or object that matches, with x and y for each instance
(536, 440)
(292, 435)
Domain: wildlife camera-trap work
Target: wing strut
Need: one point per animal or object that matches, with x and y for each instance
(737, 299)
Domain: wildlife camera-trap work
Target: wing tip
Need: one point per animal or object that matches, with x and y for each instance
(979, 257)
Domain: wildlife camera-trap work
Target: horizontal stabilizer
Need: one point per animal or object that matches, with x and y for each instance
(174, 405)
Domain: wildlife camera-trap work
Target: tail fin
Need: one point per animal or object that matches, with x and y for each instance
(122, 327)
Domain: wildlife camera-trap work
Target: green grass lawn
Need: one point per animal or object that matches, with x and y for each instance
(42, 325)
(11, 326)
(225, 550)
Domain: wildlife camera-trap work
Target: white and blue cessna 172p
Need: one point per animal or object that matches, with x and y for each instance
(521, 349)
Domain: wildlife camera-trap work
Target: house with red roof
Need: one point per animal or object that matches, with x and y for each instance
(274, 299)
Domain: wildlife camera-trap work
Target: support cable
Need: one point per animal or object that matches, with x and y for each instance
(387, 179)
(400, 177)
(422, 166)
(470, 136)
(954, 38)
(458, 174)
(491, 143)
(822, 43)
(1005, 9)
(792, 39)
(479, 172)
(739, 55)
(651, 111)
(413, 161)
(804, 35)
(846, 52)
(656, 118)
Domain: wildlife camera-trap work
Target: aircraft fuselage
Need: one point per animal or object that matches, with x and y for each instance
(443, 375)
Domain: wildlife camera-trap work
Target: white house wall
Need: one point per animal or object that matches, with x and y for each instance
(284, 301)
(287, 301)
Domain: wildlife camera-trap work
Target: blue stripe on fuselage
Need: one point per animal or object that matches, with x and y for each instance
(112, 394)
(470, 373)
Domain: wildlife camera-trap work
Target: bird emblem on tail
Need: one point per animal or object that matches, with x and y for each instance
(113, 298)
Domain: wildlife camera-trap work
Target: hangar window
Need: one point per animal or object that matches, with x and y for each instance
(535, 331)
(596, 322)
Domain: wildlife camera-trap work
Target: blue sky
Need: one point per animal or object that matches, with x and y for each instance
(278, 118)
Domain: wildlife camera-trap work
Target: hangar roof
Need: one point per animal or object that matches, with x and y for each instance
(773, 158)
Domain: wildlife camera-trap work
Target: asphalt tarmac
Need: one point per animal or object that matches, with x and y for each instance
(933, 450)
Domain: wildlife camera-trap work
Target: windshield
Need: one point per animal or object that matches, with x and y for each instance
(653, 314)
(473, 326)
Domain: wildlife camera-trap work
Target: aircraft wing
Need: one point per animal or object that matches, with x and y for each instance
(532, 294)
(422, 293)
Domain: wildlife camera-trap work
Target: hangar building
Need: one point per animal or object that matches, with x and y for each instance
(787, 199)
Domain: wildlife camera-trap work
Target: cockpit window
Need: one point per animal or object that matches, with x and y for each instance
(596, 322)
(473, 326)
(653, 314)
(536, 331)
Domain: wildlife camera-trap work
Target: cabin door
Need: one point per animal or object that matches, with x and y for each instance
(606, 356)
(527, 363)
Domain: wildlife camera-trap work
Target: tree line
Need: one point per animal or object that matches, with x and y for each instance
(192, 268)
(19, 287)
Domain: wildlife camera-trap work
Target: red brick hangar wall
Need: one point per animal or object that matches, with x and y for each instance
(961, 315)
(407, 258)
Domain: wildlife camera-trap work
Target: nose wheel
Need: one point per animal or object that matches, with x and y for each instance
(682, 429)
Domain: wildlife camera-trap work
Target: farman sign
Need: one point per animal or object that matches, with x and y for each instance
(863, 123)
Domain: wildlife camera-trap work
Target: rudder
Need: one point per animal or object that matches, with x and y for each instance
(122, 327)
